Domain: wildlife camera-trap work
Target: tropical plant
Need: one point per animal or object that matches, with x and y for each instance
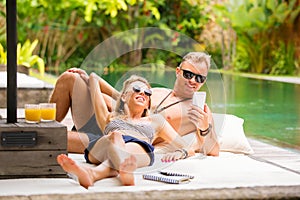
(283, 57)
(185, 16)
(25, 56)
(260, 25)
(3, 57)
(69, 30)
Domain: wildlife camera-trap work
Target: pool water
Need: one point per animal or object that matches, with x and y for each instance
(270, 109)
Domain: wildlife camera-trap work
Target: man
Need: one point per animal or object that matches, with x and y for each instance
(71, 91)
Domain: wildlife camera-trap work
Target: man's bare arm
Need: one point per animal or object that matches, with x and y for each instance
(211, 145)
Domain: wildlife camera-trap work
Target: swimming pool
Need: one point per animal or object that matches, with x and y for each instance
(270, 109)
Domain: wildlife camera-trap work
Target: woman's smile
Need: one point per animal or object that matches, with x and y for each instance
(140, 98)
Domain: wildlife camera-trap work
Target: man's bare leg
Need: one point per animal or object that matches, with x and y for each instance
(81, 105)
(62, 94)
(87, 176)
(71, 91)
(77, 142)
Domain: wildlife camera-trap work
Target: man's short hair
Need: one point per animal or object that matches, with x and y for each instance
(196, 58)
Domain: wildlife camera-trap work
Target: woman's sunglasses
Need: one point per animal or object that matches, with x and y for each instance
(137, 89)
(189, 75)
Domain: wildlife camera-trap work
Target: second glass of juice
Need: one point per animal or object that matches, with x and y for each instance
(48, 112)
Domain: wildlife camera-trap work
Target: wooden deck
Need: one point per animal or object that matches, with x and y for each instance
(281, 157)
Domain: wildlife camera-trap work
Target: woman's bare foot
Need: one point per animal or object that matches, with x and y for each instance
(126, 170)
(84, 175)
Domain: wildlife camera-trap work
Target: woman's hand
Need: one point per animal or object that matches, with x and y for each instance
(81, 73)
(171, 157)
(77, 70)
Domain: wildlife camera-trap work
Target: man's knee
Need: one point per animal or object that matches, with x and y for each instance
(66, 80)
(63, 86)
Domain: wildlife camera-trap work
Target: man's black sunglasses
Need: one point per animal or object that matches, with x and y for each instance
(137, 89)
(189, 75)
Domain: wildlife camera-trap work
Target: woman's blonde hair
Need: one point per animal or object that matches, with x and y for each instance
(119, 109)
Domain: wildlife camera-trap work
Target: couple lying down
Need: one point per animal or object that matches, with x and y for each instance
(129, 132)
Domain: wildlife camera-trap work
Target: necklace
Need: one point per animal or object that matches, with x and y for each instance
(172, 104)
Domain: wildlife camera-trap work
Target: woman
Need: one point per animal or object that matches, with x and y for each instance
(128, 134)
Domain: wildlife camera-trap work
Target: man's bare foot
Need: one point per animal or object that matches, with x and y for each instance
(84, 175)
(126, 170)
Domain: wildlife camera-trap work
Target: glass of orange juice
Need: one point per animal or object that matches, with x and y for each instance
(48, 112)
(32, 113)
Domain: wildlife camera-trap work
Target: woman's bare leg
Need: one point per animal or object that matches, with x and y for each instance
(83, 174)
(134, 156)
(87, 176)
(113, 148)
(100, 150)
(126, 170)
(123, 157)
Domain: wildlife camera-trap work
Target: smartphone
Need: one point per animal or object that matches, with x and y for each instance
(199, 99)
